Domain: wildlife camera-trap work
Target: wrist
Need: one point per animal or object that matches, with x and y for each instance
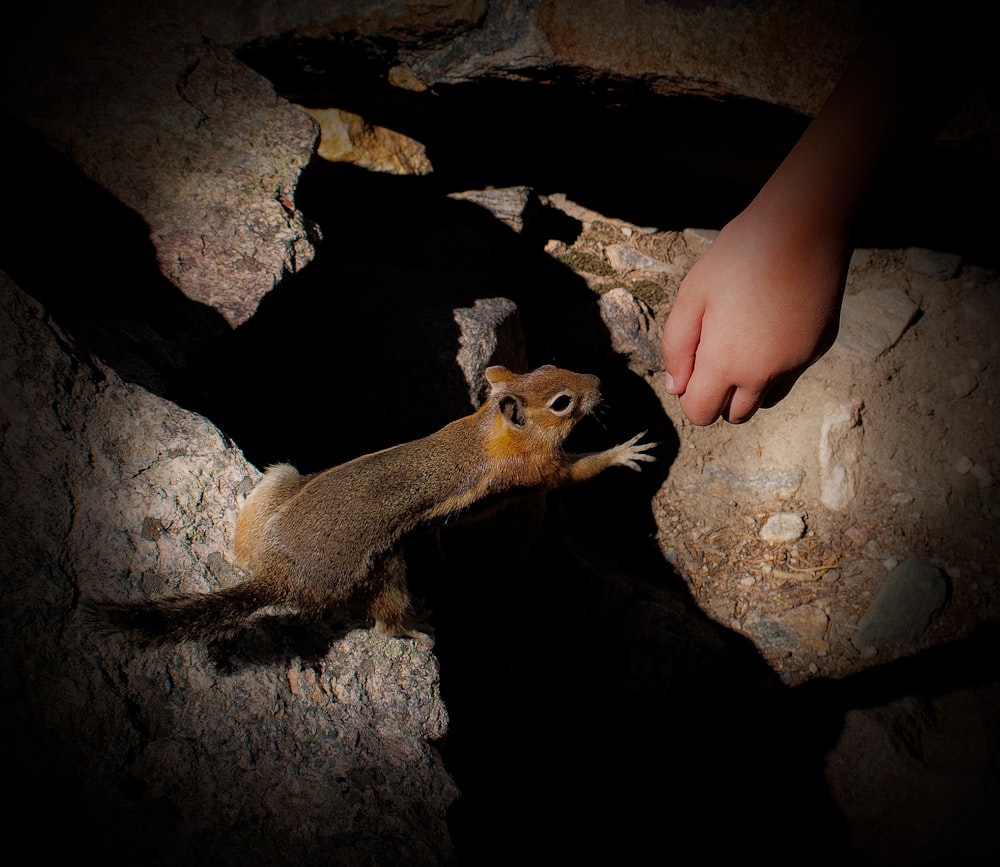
(792, 219)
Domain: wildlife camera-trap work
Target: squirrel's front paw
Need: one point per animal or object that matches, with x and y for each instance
(628, 453)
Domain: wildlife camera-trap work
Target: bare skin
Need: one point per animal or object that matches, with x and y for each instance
(763, 302)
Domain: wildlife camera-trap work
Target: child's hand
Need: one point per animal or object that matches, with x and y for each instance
(759, 307)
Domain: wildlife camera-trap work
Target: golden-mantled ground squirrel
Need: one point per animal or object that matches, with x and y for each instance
(335, 538)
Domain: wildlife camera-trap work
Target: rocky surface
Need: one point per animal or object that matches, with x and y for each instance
(176, 129)
(301, 746)
(866, 434)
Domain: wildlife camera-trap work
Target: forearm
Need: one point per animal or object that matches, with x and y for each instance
(824, 182)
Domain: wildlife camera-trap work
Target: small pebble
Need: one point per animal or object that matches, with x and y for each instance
(963, 384)
(964, 464)
(783, 527)
(856, 535)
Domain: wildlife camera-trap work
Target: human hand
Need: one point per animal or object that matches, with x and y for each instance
(758, 308)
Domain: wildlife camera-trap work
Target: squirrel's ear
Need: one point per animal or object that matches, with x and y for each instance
(497, 373)
(512, 409)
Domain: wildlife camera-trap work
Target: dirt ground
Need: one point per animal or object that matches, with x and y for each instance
(926, 468)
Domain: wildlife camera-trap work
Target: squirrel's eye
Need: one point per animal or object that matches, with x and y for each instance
(561, 404)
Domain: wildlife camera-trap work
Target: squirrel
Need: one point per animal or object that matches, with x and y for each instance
(335, 538)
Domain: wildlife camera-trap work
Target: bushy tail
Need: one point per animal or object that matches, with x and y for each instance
(191, 617)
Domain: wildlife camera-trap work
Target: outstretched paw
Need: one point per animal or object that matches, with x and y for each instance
(626, 454)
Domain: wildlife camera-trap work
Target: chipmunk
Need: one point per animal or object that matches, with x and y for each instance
(335, 537)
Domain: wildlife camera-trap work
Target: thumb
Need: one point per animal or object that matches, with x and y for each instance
(679, 343)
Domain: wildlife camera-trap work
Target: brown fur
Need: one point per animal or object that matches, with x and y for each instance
(335, 538)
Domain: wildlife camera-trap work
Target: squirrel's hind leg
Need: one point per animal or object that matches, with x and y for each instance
(390, 606)
(279, 483)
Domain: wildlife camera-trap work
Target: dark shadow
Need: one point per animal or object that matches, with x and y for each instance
(89, 260)
(597, 715)
(274, 641)
(965, 663)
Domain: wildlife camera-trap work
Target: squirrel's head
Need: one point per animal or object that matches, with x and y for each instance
(539, 408)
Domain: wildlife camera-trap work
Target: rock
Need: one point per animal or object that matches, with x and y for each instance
(633, 328)
(699, 240)
(876, 745)
(872, 321)
(907, 797)
(963, 384)
(768, 634)
(911, 594)
(507, 204)
(782, 527)
(588, 217)
(932, 263)
(247, 751)
(708, 51)
(798, 630)
(625, 259)
(348, 138)
(841, 436)
(490, 333)
(178, 130)
(722, 481)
